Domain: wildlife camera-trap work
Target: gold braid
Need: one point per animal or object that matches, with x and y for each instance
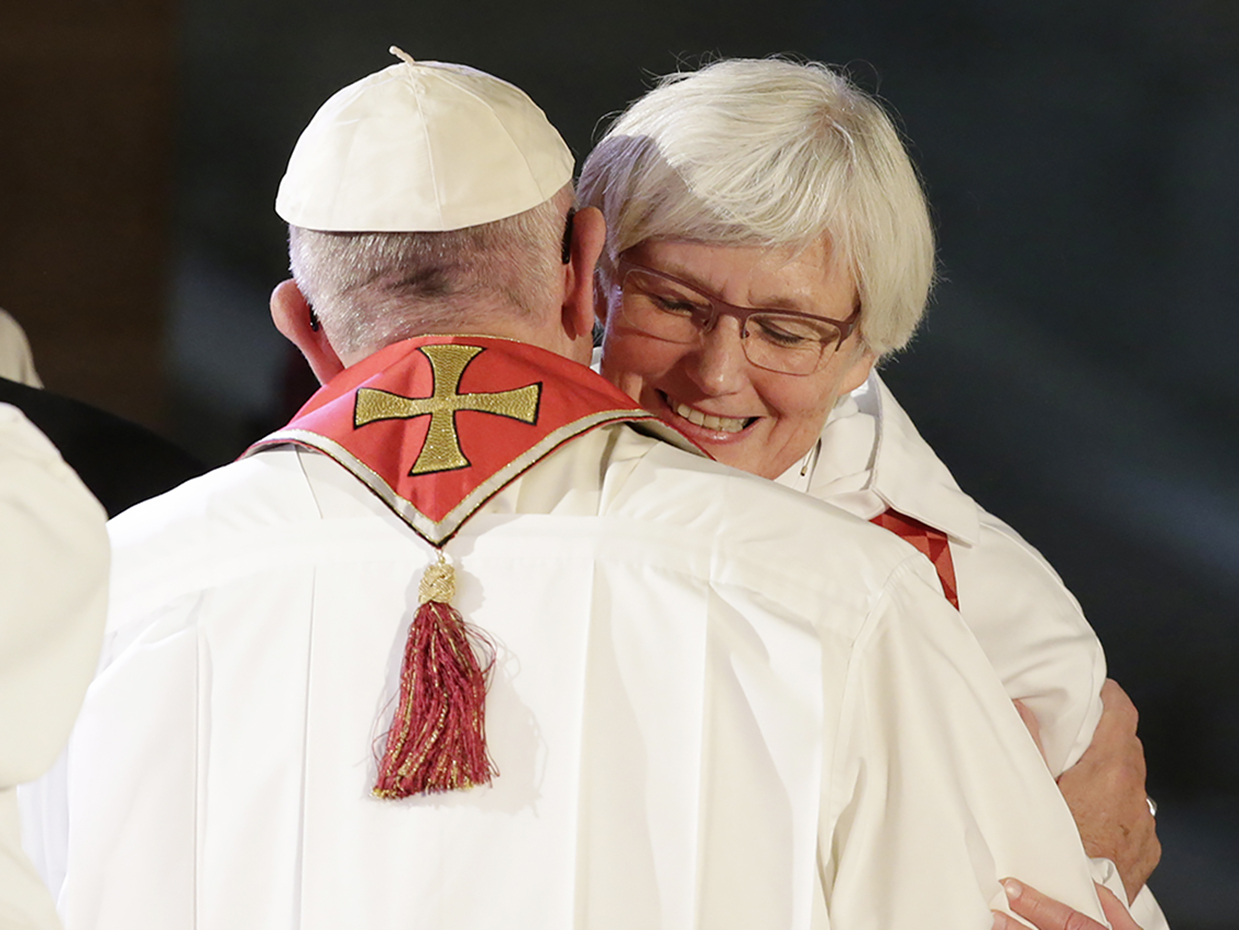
(438, 583)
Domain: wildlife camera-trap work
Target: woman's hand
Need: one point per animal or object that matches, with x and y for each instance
(1047, 914)
(1105, 791)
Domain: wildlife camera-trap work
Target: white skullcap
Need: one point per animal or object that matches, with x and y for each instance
(422, 147)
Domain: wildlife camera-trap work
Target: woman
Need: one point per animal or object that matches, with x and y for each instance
(768, 243)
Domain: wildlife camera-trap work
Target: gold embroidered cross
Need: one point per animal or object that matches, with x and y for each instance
(441, 451)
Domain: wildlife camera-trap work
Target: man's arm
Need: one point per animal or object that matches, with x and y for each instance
(937, 790)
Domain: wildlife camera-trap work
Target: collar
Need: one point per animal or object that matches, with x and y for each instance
(437, 425)
(910, 477)
(870, 459)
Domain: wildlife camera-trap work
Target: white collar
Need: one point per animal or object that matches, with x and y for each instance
(870, 457)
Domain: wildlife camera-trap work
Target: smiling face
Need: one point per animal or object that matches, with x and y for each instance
(755, 420)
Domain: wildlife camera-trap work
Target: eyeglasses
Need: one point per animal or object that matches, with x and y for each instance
(785, 341)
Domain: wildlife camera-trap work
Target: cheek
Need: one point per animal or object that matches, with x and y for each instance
(630, 361)
(801, 409)
(806, 406)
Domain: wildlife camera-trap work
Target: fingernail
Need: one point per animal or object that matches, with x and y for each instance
(1002, 921)
(1013, 888)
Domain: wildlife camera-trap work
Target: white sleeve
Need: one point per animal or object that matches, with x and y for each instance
(1035, 635)
(935, 790)
(53, 583)
(53, 597)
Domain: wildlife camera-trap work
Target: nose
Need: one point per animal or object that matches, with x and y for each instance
(718, 366)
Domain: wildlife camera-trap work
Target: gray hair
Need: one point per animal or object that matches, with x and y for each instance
(771, 153)
(370, 289)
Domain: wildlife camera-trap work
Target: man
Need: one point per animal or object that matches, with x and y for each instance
(462, 647)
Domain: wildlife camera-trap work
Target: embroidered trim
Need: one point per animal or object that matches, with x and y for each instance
(437, 534)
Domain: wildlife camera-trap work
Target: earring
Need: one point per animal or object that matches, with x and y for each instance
(315, 326)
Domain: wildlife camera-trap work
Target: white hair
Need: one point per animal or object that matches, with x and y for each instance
(370, 289)
(774, 153)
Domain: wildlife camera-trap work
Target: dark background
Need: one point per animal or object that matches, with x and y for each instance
(1076, 368)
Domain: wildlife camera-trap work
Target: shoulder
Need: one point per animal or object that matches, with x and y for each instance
(1018, 605)
(52, 526)
(757, 534)
(242, 519)
(266, 488)
(913, 480)
(1001, 551)
(36, 485)
(23, 441)
(910, 477)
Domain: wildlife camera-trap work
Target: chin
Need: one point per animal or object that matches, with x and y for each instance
(736, 458)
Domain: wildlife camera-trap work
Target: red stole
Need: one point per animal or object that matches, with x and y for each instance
(438, 425)
(933, 543)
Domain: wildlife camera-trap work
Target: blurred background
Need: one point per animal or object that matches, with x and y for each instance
(1076, 371)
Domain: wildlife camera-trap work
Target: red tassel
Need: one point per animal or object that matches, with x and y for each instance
(437, 741)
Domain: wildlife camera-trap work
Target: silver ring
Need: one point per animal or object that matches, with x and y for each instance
(1152, 805)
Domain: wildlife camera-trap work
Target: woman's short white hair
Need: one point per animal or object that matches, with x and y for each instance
(771, 152)
(370, 289)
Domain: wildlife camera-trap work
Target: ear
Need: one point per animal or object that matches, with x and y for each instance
(294, 318)
(589, 233)
(858, 372)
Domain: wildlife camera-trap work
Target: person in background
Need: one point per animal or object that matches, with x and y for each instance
(53, 599)
(768, 243)
(121, 462)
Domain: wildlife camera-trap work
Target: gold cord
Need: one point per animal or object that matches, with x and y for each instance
(438, 582)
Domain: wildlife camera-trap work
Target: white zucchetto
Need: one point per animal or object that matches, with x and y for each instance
(422, 146)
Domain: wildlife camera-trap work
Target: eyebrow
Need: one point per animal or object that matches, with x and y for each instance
(776, 303)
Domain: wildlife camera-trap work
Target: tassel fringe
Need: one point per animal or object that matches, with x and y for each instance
(437, 741)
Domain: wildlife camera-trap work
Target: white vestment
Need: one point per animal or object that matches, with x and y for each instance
(16, 362)
(871, 458)
(714, 705)
(53, 578)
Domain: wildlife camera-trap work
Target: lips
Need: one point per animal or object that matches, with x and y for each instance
(708, 421)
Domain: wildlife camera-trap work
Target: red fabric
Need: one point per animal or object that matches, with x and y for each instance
(566, 393)
(933, 543)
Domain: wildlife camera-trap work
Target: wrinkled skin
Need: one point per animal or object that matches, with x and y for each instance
(1106, 793)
